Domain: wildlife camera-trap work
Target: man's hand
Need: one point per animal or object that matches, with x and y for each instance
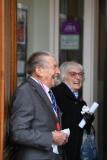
(59, 138)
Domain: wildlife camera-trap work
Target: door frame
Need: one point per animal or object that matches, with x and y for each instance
(90, 50)
(54, 27)
(7, 66)
(90, 54)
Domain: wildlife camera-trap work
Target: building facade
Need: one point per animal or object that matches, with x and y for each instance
(71, 30)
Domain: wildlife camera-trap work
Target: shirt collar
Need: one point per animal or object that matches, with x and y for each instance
(75, 93)
(34, 79)
(43, 85)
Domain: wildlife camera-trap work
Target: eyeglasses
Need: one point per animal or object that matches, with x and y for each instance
(75, 74)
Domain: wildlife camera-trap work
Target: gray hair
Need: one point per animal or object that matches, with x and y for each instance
(67, 66)
(36, 59)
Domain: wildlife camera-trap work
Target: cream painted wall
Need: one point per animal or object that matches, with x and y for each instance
(38, 24)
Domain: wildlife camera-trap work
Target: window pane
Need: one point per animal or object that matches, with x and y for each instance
(71, 30)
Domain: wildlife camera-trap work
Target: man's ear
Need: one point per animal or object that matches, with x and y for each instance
(39, 71)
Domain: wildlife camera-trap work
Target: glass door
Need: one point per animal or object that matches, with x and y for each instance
(71, 30)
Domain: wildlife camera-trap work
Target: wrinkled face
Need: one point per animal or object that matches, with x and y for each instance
(75, 78)
(50, 71)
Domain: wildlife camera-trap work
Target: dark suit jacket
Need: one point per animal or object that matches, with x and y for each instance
(31, 122)
(71, 116)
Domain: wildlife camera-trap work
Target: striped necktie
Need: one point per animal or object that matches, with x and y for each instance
(53, 100)
(55, 109)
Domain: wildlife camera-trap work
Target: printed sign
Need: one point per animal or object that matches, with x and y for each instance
(70, 42)
(70, 35)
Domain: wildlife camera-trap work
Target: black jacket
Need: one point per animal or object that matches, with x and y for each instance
(71, 116)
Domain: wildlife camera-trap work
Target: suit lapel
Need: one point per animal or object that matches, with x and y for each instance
(67, 91)
(38, 88)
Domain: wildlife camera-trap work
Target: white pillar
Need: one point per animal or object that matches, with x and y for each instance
(90, 50)
(54, 28)
(90, 54)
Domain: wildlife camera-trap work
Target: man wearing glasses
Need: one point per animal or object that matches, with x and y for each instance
(69, 99)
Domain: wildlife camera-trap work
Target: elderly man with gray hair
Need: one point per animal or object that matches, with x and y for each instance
(69, 99)
(35, 120)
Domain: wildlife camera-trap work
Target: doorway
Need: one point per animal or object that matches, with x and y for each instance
(83, 51)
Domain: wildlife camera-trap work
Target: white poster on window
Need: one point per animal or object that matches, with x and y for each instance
(70, 35)
(69, 42)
